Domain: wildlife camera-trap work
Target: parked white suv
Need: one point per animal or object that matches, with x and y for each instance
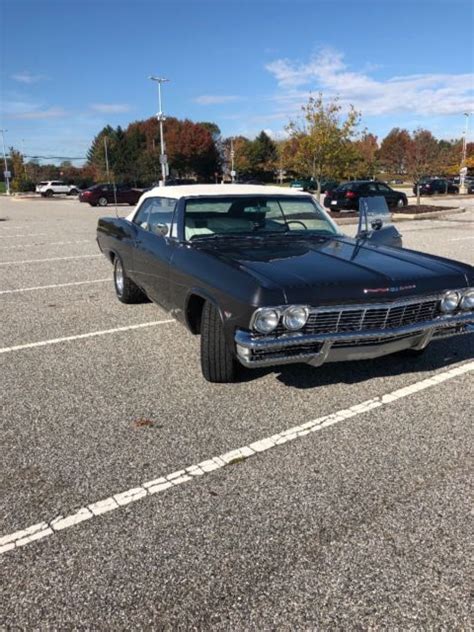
(49, 188)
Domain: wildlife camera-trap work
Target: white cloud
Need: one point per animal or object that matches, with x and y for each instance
(215, 99)
(27, 77)
(33, 115)
(423, 94)
(110, 108)
(278, 134)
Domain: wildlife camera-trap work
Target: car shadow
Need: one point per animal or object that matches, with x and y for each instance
(440, 354)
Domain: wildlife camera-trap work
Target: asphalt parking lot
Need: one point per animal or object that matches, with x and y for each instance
(359, 517)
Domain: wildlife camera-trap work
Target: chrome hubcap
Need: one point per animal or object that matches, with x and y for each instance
(119, 277)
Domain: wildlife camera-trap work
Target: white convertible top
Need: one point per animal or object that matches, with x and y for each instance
(189, 190)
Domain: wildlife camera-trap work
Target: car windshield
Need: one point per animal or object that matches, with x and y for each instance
(250, 216)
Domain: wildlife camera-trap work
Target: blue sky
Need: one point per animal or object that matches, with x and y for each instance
(68, 67)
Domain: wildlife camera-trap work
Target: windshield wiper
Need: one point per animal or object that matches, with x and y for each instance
(213, 236)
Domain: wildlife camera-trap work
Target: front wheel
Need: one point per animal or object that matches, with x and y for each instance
(127, 291)
(102, 201)
(49, 193)
(401, 203)
(217, 360)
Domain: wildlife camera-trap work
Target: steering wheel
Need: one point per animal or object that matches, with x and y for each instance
(296, 221)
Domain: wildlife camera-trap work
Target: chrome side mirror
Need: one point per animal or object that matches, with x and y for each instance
(376, 224)
(161, 229)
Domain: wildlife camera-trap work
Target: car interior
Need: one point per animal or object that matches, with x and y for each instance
(250, 216)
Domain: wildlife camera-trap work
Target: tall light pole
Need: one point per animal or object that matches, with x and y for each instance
(232, 156)
(161, 118)
(463, 170)
(464, 140)
(23, 156)
(6, 172)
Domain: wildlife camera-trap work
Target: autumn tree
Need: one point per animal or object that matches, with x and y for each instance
(241, 147)
(17, 167)
(367, 150)
(134, 153)
(322, 140)
(262, 156)
(96, 154)
(421, 156)
(394, 150)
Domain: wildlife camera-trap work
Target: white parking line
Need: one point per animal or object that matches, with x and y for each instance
(24, 235)
(12, 263)
(49, 287)
(48, 243)
(92, 334)
(461, 238)
(167, 481)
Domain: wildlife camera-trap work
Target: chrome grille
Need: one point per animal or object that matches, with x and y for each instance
(364, 318)
(391, 315)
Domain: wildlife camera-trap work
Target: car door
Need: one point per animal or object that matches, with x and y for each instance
(59, 187)
(123, 194)
(389, 194)
(370, 189)
(153, 248)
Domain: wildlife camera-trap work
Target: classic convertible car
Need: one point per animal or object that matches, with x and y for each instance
(266, 278)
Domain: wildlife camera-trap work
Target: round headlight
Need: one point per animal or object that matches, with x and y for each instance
(450, 301)
(467, 301)
(295, 317)
(266, 320)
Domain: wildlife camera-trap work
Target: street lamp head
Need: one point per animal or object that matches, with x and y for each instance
(158, 79)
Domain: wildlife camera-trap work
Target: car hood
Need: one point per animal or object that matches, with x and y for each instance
(330, 269)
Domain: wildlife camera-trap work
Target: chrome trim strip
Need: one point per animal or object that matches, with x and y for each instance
(399, 302)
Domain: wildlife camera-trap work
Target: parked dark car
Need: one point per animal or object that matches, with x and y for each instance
(103, 194)
(250, 181)
(436, 186)
(346, 196)
(309, 184)
(266, 278)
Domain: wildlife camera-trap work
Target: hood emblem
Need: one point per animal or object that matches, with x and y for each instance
(389, 290)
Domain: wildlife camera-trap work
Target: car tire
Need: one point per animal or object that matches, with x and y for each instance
(401, 203)
(73, 192)
(217, 360)
(49, 193)
(127, 291)
(102, 201)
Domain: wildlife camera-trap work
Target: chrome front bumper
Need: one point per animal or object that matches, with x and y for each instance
(315, 349)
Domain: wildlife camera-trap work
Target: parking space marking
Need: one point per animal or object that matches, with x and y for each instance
(92, 334)
(42, 529)
(50, 287)
(461, 238)
(13, 263)
(24, 235)
(49, 243)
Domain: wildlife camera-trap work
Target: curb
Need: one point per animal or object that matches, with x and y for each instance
(405, 217)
